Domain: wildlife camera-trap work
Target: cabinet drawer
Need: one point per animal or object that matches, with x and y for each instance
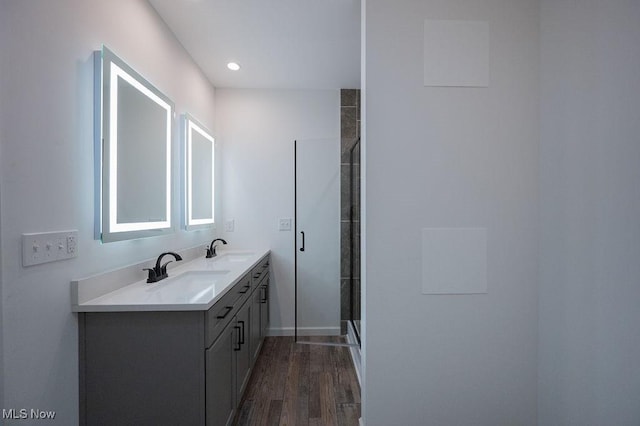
(259, 271)
(223, 311)
(219, 316)
(242, 290)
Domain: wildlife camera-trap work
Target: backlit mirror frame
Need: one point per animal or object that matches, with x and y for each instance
(191, 126)
(108, 69)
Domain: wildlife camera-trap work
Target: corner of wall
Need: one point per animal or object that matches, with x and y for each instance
(3, 26)
(2, 375)
(2, 321)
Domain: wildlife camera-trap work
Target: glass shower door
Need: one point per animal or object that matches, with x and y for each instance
(317, 241)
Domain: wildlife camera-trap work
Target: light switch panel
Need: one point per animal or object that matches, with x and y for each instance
(284, 224)
(49, 247)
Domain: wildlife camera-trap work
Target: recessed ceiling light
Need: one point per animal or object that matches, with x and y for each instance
(233, 66)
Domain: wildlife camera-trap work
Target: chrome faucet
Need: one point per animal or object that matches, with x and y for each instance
(211, 251)
(160, 272)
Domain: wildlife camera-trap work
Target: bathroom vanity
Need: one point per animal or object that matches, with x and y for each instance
(179, 351)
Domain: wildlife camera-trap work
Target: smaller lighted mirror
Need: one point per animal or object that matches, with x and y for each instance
(133, 140)
(200, 175)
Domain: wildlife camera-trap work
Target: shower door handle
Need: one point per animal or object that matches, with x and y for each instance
(302, 248)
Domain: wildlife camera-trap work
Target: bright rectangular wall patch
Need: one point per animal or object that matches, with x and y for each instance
(456, 53)
(454, 260)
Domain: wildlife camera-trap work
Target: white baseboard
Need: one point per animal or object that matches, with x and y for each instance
(304, 331)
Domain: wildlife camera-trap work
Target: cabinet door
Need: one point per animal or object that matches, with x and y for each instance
(243, 352)
(255, 338)
(264, 307)
(220, 376)
(142, 368)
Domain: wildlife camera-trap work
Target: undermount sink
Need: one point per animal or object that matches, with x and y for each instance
(192, 276)
(234, 257)
(190, 280)
(187, 287)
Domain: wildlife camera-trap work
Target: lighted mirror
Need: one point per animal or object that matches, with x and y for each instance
(133, 141)
(199, 175)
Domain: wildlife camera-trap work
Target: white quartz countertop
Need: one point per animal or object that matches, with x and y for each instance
(191, 286)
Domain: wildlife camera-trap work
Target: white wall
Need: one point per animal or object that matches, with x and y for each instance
(256, 129)
(590, 213)
(450, 157)
(46, 138)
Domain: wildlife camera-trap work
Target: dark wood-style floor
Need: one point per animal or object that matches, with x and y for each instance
(297, 384)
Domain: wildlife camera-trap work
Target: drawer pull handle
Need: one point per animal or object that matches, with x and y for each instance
(229, 309)
(238, 342)
(264, 294)
(257, 275)
(246, 289)
(242, 332)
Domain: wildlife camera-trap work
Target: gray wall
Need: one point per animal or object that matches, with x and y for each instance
(46, 170)
(590, 213)
(450, 157)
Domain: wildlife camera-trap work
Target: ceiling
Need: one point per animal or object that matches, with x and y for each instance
(284, 44)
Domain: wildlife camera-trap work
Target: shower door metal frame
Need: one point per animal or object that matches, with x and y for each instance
(351, 243)
(295, 261)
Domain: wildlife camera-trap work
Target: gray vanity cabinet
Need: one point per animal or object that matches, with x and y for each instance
(259, 306)
(260, 315)
(244, 360)
(263, 292)
(220, 364)
(172, 367)
(230, 359)
(142, 368)
(255, 338)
